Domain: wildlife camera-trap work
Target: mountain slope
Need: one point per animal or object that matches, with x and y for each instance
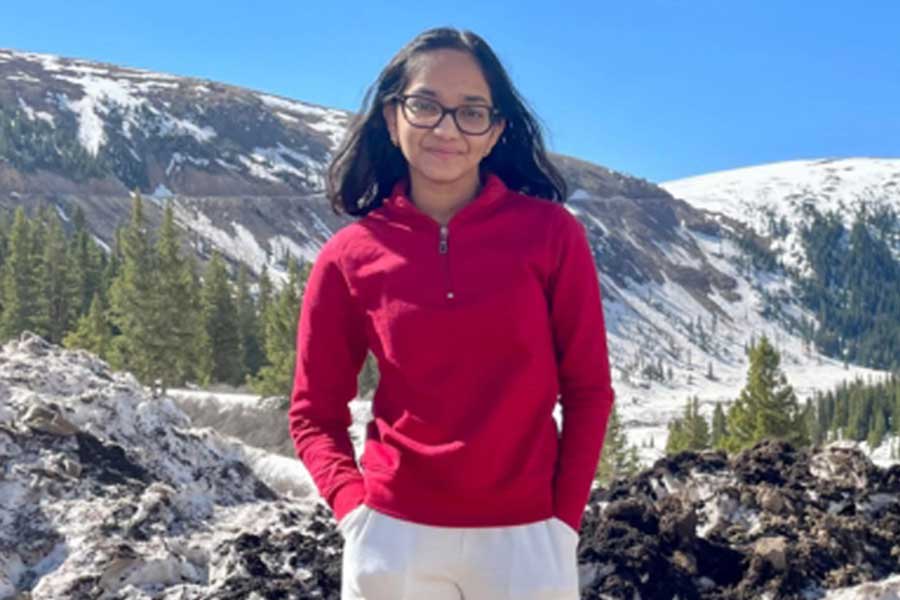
(684, 292)
(778, 199)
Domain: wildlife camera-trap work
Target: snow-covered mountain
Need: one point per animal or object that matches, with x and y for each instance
(681, 292)
(784, 195)
(244, 168)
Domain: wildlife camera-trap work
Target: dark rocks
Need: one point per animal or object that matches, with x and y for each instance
(772, 522)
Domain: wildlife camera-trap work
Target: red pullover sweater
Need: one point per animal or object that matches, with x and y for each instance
(479, 328)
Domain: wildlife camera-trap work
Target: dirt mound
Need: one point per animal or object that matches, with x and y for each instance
(770, 522)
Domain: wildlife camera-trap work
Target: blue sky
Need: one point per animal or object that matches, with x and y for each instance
(657, 89)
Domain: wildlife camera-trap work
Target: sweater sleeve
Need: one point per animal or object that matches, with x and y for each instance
(579, 335)
(331, 348)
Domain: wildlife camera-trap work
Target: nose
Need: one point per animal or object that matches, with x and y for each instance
(446, 126)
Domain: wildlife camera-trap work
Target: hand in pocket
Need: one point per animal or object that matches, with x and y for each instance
(350, 518)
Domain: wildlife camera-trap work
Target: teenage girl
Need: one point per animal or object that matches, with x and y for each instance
(476, 290)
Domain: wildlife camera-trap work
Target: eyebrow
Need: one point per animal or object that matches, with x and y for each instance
(432, 93)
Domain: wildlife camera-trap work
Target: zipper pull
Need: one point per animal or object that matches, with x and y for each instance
(442, 248)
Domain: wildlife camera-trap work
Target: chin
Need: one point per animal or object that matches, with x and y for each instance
(445, 173)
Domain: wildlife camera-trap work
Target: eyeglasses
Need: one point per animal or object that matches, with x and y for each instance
(425, 113)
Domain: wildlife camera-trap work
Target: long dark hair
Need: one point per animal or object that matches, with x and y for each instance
(366, 165)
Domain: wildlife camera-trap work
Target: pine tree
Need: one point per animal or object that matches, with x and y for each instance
(896, 416)
(690, 432)
(19, 282)
(616, 459)
(133, 300)
(263, 304)
(220, 318)
(719, 427)
(5, 226)
(676, 440)
(811, 418)
(111, 270)
(85, 263)
(767, 405)
(248, 325)
(92, 331)
(174, 319)
(57, 288)
(200, 368)
(878, 431)
(276, 378)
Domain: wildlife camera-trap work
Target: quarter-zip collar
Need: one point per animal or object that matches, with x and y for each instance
(401, 206)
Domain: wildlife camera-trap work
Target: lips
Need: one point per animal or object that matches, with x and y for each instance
(441, 152)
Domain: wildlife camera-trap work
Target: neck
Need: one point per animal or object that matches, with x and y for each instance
(441, 201)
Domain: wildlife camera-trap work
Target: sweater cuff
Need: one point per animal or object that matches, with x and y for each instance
(571, 520)
(348, 497)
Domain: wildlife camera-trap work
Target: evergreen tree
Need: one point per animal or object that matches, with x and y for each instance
(201, 367)
(133, 300)
(616, 459)
(719, 427)
(248, 325)
(92, 331)
(57, 288)
(19, 281)
(878, 431)
(263, 304)
(859, 413)
(111, 270)
(282, 318)
(220, 318)
(767, 405)
(5, 226)
(85, 263)
(813, 424)
(690, 432)
(896, 417)
(174, 319)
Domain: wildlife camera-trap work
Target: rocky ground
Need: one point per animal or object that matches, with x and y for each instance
(107, 492)
(771, 522)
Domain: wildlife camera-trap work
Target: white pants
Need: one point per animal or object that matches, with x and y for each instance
(386, 558)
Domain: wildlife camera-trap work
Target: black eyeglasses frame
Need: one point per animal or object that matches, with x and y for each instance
(494, 114)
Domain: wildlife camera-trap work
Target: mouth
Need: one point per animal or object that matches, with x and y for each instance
(442, 153)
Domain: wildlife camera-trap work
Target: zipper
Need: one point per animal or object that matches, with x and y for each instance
(444, 251)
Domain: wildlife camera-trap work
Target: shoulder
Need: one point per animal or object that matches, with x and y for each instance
(353, 244)
(336, 246)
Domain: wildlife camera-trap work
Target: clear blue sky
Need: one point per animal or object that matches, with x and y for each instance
(658, 89)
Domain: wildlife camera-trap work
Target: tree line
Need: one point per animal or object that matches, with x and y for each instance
(146, 308)
(854, 286)
(767, 408)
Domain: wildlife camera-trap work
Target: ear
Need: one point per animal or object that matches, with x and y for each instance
(389, 112)
(496, 132)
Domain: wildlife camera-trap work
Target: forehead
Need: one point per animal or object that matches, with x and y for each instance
(449, 76)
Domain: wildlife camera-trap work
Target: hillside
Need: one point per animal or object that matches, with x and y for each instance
(690, 273)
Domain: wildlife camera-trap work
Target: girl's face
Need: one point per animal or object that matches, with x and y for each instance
(443, 154)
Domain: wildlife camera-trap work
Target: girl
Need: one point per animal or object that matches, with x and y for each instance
(477, 292)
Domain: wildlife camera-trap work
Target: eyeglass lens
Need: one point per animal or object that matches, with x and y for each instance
(470, 118)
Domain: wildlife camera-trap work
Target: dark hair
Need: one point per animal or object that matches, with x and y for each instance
(366, 165)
